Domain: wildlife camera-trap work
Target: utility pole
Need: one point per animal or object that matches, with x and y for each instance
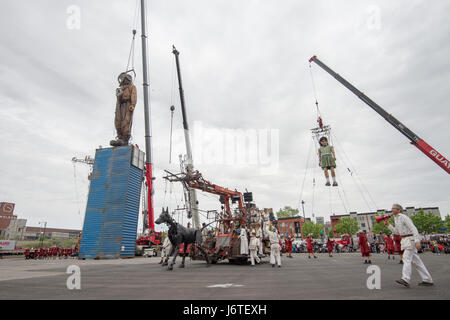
(193, 205)
(304, 218)
(42, 234)
(148, 133)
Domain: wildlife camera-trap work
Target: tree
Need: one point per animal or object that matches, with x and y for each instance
(347, 225)
(427, 222)
(311, 227)
(447, 223)
(287, 212)
(330, 233)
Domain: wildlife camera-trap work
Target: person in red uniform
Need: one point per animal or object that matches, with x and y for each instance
(330, 246)
(364, 247)
(288, 245)
(389, 246)
(309, 246)
(398, 246)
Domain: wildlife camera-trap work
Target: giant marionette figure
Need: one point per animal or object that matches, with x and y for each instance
(327, 160)
(126, 102)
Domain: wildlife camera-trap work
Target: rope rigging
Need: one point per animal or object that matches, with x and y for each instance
(323, 132)
(304, 176)
(76, 193)
(131, 55)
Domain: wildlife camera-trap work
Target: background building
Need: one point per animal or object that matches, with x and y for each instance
(6, 214)
(33, 233)
(290, 226)
(15, 230)
(366, 221)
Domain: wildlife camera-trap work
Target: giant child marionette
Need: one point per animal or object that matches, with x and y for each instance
(327, 160)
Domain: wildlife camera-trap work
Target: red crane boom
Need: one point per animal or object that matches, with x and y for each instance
(428, 150)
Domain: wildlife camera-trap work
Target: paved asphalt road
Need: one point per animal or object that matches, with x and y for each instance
(341, 277)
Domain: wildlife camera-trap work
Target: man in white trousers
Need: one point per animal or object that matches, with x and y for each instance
(253, 247)
(167, 245)
(259, 236)
(274, 238)
(244, 241)
(410, 244)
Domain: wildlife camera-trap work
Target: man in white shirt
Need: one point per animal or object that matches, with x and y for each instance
(259, 236)
(253, 247)
(410, 244)
(166, 247)
(274, 238)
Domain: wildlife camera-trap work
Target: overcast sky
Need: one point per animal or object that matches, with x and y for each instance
(245, 71)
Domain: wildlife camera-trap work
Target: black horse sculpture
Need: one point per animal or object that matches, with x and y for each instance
(178, 235)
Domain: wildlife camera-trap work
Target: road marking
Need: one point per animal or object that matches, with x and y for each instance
(225, 285)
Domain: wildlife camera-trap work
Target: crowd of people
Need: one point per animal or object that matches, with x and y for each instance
(50, 253)
(406, 243)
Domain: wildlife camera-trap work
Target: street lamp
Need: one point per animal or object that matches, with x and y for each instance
(42, 234)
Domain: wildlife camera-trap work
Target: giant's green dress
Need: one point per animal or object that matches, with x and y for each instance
(326, 157)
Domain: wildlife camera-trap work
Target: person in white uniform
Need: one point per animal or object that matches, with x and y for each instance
(259, 236)
(253, 247)
(274, 238)
(244, 241)
(410, 244)
(167, 245)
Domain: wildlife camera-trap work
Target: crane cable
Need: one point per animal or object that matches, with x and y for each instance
(76, 193)
(315, 91)
(327, 132)
(172, 108)
(330, 137)
(340, 186)
(355, 176)
(314, 187)
(131, 54)
(304, 176)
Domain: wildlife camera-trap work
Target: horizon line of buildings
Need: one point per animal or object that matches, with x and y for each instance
(13, 228)
(293, 225)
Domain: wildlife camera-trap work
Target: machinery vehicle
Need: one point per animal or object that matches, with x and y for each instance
(147, 245)
(224, 242)
(344, 242)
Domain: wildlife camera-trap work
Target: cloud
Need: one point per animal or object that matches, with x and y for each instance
(245, 67)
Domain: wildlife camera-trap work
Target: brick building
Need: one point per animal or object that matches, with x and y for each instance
(6, 217)
(291, 226)
(6, 214)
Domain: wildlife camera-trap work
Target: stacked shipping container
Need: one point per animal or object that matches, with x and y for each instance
(112, 212)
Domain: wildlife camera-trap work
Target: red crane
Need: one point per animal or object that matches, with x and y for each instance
(428, 150)
(195, 180)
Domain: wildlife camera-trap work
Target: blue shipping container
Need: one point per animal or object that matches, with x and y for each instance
(112, 211)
